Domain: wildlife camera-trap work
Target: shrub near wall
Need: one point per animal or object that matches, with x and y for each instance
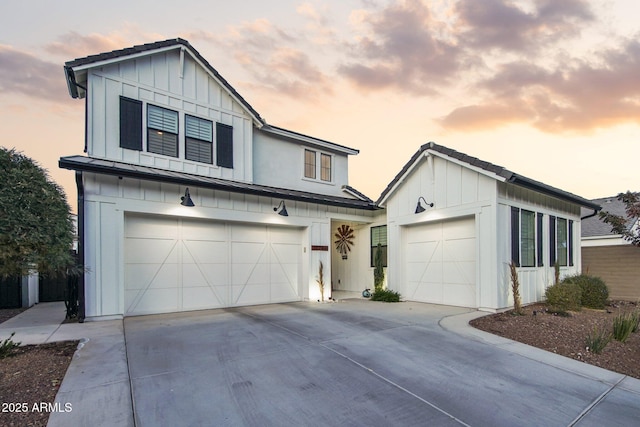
(594, 292)
(564, 296)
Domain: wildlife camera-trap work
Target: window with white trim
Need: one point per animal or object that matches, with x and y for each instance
(198, 139)
(526, 238)
(310, 164)
(325, 167)
(162, 131)
(379, 236)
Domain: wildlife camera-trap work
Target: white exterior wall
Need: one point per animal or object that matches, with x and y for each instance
(457, 192)
(533, 280)
(108, 199)
(158, 80)
(280, 163)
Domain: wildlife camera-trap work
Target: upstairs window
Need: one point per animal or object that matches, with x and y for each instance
(162, 131)
(224, 145)
(325, 167)
(310, 164)
(379, 235)
(198, 139)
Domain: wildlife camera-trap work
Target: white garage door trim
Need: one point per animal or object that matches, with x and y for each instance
(440, 262)
(178, 264)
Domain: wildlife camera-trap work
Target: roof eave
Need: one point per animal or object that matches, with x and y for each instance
(132, 171)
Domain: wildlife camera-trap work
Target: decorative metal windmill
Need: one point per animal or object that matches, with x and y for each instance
(345, 236)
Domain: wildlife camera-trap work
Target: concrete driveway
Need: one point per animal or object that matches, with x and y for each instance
(357, 363)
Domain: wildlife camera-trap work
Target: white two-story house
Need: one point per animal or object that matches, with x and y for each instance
(188, 199)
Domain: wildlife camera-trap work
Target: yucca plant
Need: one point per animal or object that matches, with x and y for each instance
(623, 325)
(7, 346)
(515, 288)
(597, 340)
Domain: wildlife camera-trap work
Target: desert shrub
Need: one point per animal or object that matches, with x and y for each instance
(386, 295)
(597, 340)
(635, 316)
(515, 288)
(623, 325)
(594, 291)
(7, 346)
(564, 296)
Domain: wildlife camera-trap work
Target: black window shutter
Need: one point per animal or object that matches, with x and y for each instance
(224, 145)
(552, 240)
(515, 236)
(130, 123)
(570, 243)
(539, 240)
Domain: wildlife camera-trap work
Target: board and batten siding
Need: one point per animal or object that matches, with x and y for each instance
(108, 200)
(457, 192)
(533, 280)
(618, 266)
(157, 80)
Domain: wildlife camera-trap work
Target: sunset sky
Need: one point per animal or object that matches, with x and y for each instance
(548, 89)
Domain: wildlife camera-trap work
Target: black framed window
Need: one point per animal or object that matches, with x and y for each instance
(527, 239)
(224, 145)
(310, 164)
(562, 239)
(198, 139)
(325, 167)
(162, 131)
(379, 236)
(130, 123)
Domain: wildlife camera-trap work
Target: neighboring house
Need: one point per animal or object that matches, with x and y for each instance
(164, 132)
(483, 216)
(184, 193)
(608, 255)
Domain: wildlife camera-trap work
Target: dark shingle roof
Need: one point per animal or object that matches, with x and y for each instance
(594, 226)
(109, 167)
(510, 177)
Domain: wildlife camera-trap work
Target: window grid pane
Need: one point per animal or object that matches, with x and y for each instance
(164, 143)
(198, 151)
(199, 128)
(379, 235)
(527, 239)
(162, 119)
(562, 241)
(309, 164)
(325, 167)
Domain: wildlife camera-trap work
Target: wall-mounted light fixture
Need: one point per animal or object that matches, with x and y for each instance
(283, 211)
(186, 199)
(420, 208)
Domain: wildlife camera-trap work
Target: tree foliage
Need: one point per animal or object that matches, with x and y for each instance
(619, 224)
(36, 228)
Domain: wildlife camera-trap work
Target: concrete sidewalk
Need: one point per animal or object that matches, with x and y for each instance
(97, 381)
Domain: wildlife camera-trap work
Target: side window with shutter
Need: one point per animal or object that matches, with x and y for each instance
(130, 124)
(224, 145)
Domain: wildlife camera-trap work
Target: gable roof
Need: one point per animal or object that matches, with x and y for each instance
(110, 167)
(594, 226)
(76, 70)
(497, 172)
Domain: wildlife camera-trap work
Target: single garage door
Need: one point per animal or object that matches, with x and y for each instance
(174, 264)
(440, 262)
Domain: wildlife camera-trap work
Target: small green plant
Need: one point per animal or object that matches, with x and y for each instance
(597, 340)
(386, 295)
(635, 316)
(515, 288)
(564, 297)
(623, 325)
(594, 292)
(7, 346)
(378, 271)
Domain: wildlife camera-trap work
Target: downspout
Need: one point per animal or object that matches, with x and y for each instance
(81, 302)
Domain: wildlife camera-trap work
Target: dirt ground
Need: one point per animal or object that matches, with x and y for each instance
(567, 335)
(30, 378)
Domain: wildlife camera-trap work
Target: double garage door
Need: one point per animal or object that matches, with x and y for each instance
(440, 262)
(174, 264)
